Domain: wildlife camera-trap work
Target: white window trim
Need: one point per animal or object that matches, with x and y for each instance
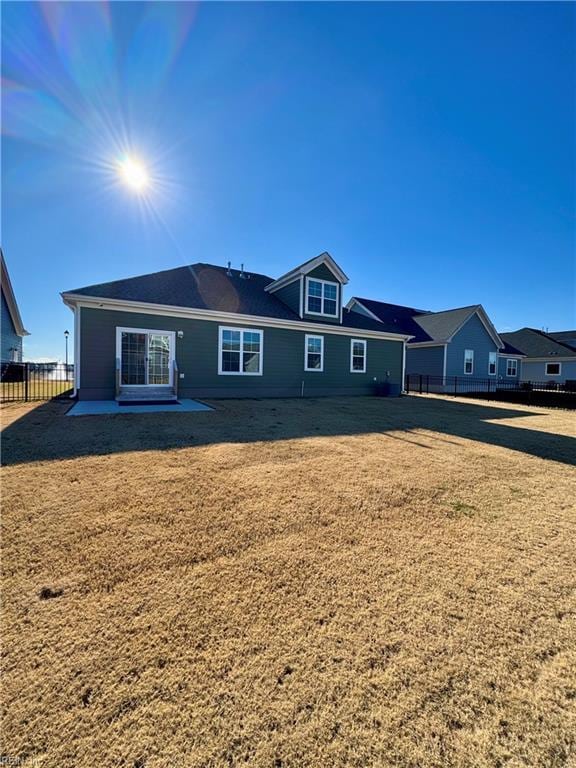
(259, 331)
(495, 363)
(172, 334)
(358, 341)
(508, 361)
(468, 373)
(313, 336)
(324, 282)
(553, 362)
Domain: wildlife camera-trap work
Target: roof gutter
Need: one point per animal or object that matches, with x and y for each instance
(78, 300)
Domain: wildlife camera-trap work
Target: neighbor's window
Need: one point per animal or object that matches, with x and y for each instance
(511, 367)
(468, 361)
(314, 353)
(357, 356)
(492, 363)
(240, 352)
(553, 369)
(321, 297)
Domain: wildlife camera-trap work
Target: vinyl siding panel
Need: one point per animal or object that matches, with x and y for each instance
(502, 367)
(473, 335)
(290, 295)
(197, 357)
(426, 360)
(536, 371)
(10, 340)
(323, 272)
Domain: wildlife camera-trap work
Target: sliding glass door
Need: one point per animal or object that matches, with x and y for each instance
(145, 357)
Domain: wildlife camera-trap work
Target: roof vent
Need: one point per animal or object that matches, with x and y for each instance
(228, 270)
(242, 273)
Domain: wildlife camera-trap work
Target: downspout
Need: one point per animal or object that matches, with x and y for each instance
(403, 366)
(76, 311)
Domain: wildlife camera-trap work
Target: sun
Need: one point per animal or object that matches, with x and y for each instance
(134, 174)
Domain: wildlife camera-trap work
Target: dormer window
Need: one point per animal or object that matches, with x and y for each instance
(321, 297)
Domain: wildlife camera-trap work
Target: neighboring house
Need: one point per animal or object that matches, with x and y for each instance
(546, 359)
(456, 342)
(217, 332)
(566, 337)
(12, 329)
(509, 362)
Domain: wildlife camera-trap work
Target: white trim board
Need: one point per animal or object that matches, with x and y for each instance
(495, 363)
(468, 358)
(322, 298)
(120, 329)
(365, 344)
(304, 269)
(306, 352)
(551, 359)
(10, 298)
(77, 350)
(553, 362)
(92, 302)
(424, 344)
(403, 366)
(350, 305)
(242, 331)
(515, 374)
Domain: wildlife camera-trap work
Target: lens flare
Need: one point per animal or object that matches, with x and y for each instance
(134, 174)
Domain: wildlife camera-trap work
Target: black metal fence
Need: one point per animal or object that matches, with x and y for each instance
(23, 382)
(544, 393)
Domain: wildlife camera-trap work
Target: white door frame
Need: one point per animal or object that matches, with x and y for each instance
(172, 334)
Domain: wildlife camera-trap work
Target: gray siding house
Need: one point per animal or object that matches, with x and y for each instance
(456, 342)
(546, 359)
(209, 331)
(11, 327)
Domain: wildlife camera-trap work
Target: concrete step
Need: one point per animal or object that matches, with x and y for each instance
(144, 394)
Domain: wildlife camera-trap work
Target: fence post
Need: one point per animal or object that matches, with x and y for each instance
(420, 383)
(26, 372)
(428, 384)
(455, 385)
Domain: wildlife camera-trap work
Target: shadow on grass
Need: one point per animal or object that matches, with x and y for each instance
(44, 434)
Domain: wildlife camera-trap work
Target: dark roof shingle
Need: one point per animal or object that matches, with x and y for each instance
(398, 317)
(508, 349)
(534, 343)
(205, 286)
(422, 324)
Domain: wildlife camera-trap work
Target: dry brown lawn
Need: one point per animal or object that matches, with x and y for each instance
(287, 584)
(36, 390)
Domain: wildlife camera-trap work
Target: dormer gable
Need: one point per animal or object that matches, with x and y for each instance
(313, 289)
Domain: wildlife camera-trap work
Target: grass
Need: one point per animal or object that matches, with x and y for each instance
(290, 583)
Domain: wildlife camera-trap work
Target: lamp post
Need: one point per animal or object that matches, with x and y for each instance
(66, 334)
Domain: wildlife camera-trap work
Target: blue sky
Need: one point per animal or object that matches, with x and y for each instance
(429, 147)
